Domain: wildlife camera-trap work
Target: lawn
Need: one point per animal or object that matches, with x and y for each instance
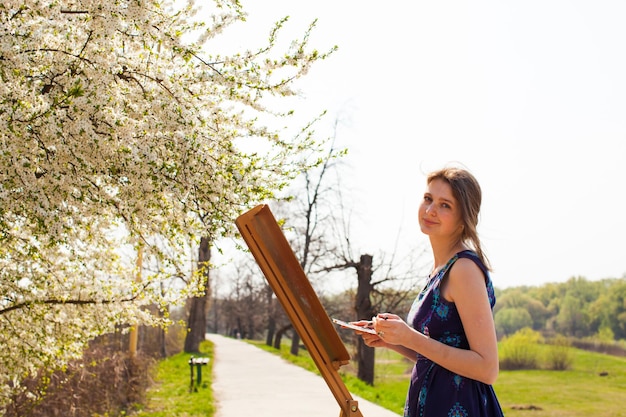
(580, 391)
(170, 395)
(577, 392)
(595, 385)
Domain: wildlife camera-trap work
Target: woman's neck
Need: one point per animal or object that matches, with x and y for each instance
(444, 251)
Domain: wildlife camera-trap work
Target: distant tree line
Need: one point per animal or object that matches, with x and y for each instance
(578, 308)
(250, 308)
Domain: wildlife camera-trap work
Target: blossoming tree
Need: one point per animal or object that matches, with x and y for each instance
(118, 130)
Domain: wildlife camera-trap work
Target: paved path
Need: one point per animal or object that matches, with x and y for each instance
(248, 381)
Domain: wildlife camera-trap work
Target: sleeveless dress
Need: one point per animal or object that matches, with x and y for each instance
(435, 391)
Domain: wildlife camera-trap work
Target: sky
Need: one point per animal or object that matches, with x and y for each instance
(529, 96)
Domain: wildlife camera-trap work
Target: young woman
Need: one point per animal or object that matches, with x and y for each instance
(449, 332)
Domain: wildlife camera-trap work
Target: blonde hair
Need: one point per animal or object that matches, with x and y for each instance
(467, 192)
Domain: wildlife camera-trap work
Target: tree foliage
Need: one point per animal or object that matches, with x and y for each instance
(576, 308)
(118, 129)
(511, 319)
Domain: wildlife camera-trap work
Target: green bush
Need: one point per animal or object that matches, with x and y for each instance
(559, 356)
(520, 350)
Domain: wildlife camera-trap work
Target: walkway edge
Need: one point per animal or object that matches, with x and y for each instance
(249, 380)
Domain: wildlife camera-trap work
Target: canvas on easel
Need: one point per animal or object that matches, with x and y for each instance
(274, 255)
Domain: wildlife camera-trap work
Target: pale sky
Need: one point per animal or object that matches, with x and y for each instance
(529, 96)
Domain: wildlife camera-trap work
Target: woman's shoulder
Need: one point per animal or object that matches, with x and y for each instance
(464, 278)
(465, 266)
(468, 258)
(470, 277)
(468, 254)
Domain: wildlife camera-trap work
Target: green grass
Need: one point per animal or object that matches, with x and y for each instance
(577, 392)
(391, 376)
(170, 396)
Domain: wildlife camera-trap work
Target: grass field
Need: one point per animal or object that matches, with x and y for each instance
(580, 391)
(577, 392)
(170, 395)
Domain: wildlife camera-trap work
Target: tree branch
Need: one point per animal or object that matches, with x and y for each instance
(64, 302)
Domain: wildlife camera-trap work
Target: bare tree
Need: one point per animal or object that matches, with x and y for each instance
(306, 228)
(318, 231)
(243, 311)
(320, 238)
(196, 323)
(386, 293)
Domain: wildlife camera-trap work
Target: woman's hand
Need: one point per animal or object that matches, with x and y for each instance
(371, 340)
(390, 334)
(391, 329)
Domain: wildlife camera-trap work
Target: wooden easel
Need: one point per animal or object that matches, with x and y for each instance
(272, 252)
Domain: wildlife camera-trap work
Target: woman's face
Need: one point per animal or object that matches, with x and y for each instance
(439, 213)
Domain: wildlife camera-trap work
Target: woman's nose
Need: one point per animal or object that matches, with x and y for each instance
(430, 209)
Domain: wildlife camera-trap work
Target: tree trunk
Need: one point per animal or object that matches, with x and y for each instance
(134, 330)
(162, 338)
(162, 344)
(271, 328)
(279, 335)
(295, 343)
(216, 315)
(196, 324)
(364, 311)
(271, 319)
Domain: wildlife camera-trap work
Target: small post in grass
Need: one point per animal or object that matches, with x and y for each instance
(199, 363)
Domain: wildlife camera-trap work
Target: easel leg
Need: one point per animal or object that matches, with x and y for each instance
(353, 412)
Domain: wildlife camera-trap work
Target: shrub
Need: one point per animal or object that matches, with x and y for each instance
(559, 355)
(104, 381)
(520, 350)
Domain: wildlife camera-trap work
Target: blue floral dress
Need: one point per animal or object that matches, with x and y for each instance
(435, 391)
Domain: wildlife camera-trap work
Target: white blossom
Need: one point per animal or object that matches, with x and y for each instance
(109, 121)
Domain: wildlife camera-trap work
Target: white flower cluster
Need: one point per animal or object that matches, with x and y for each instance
(109, 121)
